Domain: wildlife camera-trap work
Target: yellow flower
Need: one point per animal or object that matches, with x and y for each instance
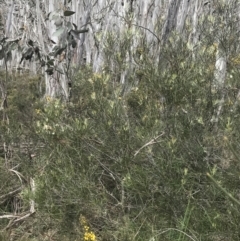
(38, 111)
(86, 228)
(82, 220)
(48, 98)
(89, 236)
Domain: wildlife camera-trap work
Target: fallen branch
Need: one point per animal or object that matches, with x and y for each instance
(9, 216)
(19, 218)
(19, 175)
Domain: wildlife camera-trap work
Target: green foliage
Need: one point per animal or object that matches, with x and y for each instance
(143, 164)
(136, 165)
(17, 143)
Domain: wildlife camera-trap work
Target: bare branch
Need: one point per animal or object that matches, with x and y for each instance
(3, 197)
(153, 141)
(9, 216)
(19, 218)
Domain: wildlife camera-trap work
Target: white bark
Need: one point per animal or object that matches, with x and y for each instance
(182, 16)
(33, 190)
(149, 21)
(171, 19)
(220, 70)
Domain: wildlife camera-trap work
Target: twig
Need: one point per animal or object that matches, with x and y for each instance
(20, 176)
(153, 141)
(9, 216)
(13, 222)
(224, 190)
(18, 190)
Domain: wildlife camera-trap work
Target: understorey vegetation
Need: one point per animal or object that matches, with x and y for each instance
(149, 164)
(144, 147)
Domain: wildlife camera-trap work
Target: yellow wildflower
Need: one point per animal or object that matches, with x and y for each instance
(88, 234)
(48, 98)
(38, 111)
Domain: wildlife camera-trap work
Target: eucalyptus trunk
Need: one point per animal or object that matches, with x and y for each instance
(151, 22)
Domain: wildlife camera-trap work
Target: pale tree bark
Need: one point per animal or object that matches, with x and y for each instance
(182, 16)
(195, 32)
(223, 20)
(219, 83)
(220, 69)
(171, 19)
(141, 18)
(150, 21)
(9, 18)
